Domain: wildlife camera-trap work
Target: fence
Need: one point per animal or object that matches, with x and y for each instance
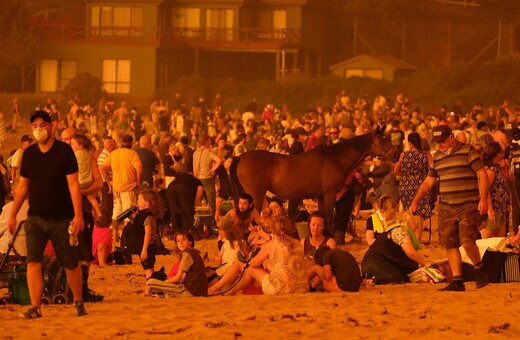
(434, 43)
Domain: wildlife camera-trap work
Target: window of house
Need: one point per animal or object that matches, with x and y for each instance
(273, 23)
(219, 24)
(55, 74)
(279, 23)
(116, 75)
(364, 73)
(350, 72)
(186, 22)
(374, 74)
(116, 21)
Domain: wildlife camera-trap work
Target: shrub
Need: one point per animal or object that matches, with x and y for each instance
(86, 88)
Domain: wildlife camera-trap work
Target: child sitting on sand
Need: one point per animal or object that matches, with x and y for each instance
(190, 279)
(233, 242)
(283, 260)
(255, 240)
(83, 148)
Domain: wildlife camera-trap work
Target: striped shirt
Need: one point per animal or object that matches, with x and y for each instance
(101, 158)
(457, 173)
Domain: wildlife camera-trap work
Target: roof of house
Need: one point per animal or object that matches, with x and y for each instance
(381, 58)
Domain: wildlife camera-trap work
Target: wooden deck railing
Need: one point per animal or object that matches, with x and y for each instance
(218, 38)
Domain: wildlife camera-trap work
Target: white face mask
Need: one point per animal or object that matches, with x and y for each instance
(40, 135)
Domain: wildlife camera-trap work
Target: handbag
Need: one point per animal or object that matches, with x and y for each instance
(159, 275)
(120, 256)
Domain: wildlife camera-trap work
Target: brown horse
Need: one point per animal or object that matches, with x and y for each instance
(318, 173)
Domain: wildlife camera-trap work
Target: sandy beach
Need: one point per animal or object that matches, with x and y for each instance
(392, 312)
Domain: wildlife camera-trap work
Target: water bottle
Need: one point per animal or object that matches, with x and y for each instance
(73, 239)
(125, 214)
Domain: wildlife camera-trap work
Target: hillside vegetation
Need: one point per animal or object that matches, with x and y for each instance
(489, 83)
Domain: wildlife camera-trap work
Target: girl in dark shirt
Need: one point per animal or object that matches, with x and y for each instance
(141, 232)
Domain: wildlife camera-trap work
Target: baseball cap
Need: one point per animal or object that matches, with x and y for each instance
(440, 133)
(515, 133)
(40, 114)
(26, 138)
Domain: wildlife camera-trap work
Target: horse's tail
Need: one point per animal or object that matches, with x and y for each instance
(236, 187)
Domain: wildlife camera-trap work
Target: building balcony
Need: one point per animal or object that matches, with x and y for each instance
(90, 35)
(253, 39)
(232, 39)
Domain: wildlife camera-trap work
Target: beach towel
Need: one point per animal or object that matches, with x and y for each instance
(426, 275)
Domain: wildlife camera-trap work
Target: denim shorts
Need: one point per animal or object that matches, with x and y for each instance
(39, 231)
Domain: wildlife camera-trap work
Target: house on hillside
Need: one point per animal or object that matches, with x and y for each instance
(385, 67)
(138, 46)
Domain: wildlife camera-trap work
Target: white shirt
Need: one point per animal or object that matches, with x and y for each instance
(19, 244)
(16, 160)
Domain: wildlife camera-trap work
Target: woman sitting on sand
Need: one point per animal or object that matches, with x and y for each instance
(316, 239)
(392, 256)
(374, 225)
(278, 267)
(255, 240)
(276, 208)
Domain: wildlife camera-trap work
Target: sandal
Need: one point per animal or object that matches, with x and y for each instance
(156, 294)
(80, 308)
(31, 313)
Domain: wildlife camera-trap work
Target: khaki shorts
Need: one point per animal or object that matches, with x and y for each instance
(459, 226)
(122, 201)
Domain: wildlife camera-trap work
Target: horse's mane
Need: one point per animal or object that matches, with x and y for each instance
(360, 143)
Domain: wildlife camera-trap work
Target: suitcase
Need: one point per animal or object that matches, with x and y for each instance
(502, 267)
(511, 268)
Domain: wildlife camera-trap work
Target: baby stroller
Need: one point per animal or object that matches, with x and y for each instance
(13, 277)
(12, 274)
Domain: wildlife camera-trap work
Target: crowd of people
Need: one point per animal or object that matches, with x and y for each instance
(133, 178)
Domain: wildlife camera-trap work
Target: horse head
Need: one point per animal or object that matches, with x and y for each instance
(382, 146)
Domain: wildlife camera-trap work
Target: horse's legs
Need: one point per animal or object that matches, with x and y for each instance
(326, 206)
(258, 199)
